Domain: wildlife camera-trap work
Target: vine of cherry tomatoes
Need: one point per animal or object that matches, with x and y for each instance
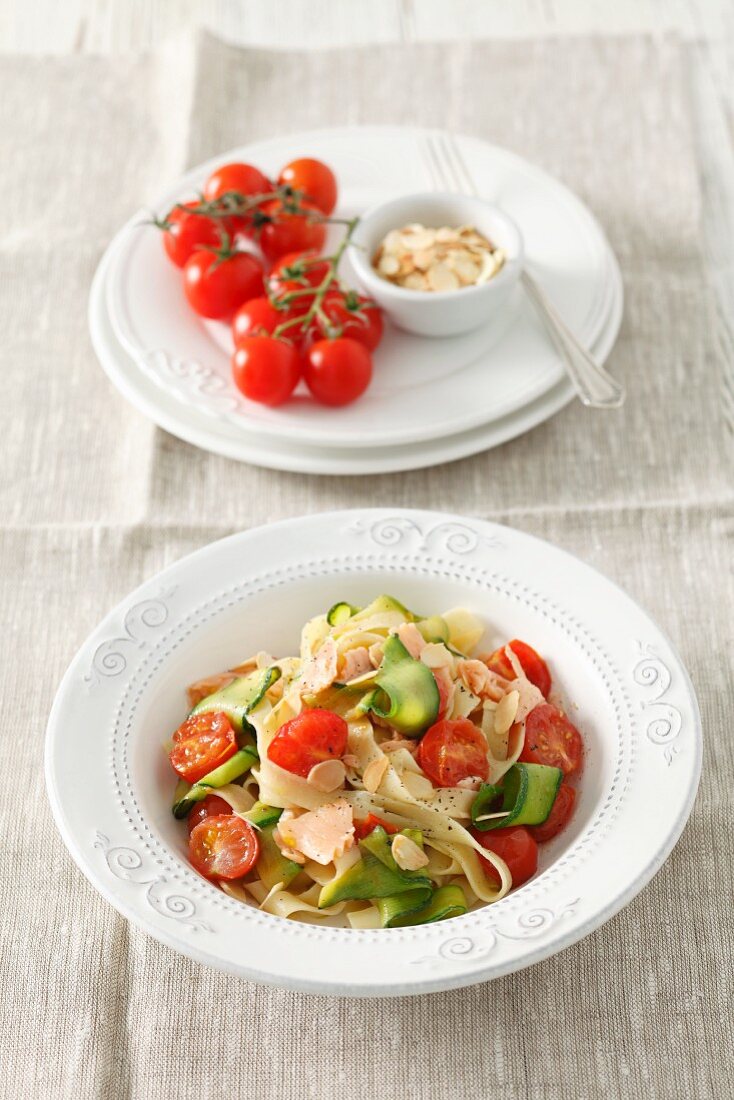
(291, 316)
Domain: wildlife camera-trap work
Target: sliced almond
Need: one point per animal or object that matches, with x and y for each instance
(415, 281)
(407, 854)
(327, 776)
(423, 260)
(506, 710)
(388, 265)
(466, 270)
(419, 239)
(418, 786)
(393, 241)
(441, 277)
(374, 773)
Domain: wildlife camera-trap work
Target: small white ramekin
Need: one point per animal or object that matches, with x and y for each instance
(447, 312)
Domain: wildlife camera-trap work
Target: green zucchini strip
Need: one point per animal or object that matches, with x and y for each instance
(340, 613)
(376, 875)
(226, 773)
(239, 698)
(407, 693)
(528, 794)
(400, 910)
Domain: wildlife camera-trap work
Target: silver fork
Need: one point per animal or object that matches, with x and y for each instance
(594, 386)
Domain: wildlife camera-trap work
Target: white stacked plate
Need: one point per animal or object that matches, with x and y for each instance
(431, 400)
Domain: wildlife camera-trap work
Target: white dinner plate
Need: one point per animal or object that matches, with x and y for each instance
(189, 423)
(423, 389)
(110, 784)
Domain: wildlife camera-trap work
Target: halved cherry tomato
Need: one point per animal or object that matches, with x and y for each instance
(516, 846)
(244, 178)
(310, 737)
(364, 827)
(188, 233)
(550, 738)
(337, 372)
(202, 743)
(287, 232)
(559, 816)
(211, 806)
(265, 369)
(350, 315)
(453, 750)
(258, 317)
(314, 178)
(216, 286)
(532, 663)
(223, 846)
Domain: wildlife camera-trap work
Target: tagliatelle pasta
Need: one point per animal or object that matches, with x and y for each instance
(452, 767)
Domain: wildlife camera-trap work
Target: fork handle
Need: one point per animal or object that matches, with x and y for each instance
(593, 385)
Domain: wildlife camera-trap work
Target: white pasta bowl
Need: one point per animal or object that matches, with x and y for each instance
(110, 785)
(448, 312)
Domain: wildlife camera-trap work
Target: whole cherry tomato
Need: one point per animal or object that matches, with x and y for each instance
(246, 179)
(265, 369)
(337, 372)
(351, 315)
(314, 178)
(287, 232)
(303, 269)
(515, 846)
(223, 846)
(258, 317)
(201, 744)
(186, 233)
(308, 739)
(453, 750)
(217, 285)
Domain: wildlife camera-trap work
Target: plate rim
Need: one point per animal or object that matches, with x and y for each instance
(477, 972)
(207, 439)
(303, 431)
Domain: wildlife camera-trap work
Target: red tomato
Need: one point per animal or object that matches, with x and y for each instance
(516, 846)
(223, 846)
(310, 737)
(297, 270)
(258, 317)
(559, 816)
(216, 287)
(246, 179)
(187, 233)
(314, 178)
(211, 805)
(337, 372)
(364, 827)
(550, 738)
(202, 743)
(265, 369)
(291, 232)
(453, 750)
(532, 663)
(353, 316)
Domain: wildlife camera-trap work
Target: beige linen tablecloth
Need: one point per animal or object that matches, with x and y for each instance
(94, 499)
